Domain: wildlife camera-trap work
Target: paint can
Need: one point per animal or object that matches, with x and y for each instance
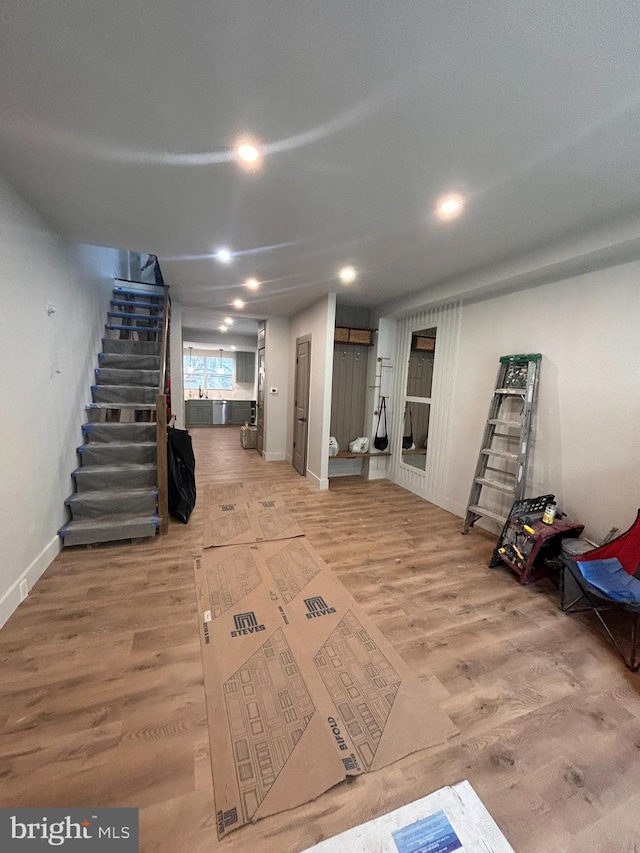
(549, 513)
(575, 548)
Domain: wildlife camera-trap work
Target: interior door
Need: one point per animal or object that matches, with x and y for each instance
(260, 401)
(301, 404)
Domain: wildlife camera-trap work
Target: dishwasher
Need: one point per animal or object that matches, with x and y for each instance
(221, 412)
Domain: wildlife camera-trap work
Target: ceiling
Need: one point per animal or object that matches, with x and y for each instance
(118, 122)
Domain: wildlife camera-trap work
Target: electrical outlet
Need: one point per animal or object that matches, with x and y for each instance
(24, 590)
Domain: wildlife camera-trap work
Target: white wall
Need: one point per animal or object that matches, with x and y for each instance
(46, 369)
(278, 366)
(175, 359)
(318, 321)
(586, 446)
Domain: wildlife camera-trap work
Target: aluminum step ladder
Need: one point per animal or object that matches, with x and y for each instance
(517, 379)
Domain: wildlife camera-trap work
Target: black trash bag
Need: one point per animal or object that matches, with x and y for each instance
(181, 474)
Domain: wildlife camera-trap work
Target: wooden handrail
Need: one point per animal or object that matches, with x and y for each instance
(165, 341)
(161, 425)
(163, 473)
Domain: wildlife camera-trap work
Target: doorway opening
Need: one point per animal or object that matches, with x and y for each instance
(301, 404)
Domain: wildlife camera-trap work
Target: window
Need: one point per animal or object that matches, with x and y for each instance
(219, 373)
(193, 371)
(209, 373)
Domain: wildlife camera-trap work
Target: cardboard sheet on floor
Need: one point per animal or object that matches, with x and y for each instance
(240, 514)
(452, 818)
(302, 689)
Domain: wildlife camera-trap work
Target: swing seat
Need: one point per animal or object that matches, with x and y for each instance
(608, 578)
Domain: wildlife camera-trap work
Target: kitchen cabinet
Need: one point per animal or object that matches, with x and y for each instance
(218, 412)
(245, 367)
(241, 411)
(198, 412)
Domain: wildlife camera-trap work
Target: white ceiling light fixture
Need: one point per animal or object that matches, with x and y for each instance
(238, 303)
(252, 283)
(222, 327)
(225, 256)
(450, 206)
(347, 275)
(228, 321)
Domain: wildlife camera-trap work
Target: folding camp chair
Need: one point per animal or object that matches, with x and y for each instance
(615, 589)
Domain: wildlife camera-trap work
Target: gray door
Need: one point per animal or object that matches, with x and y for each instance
(301, 404)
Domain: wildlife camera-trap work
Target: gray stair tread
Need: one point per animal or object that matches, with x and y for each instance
(106, 495)
(113, 427)
(119, 445)
(521, 392)
(110, 521)
(116, 530)
(112, 469)
(129, 347)
(490, 513)
(126, 387)
(121, 405)
(127, 373)
(494, 484)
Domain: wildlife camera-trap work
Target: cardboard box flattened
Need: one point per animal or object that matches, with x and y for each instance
(239, 521)
(302, 690)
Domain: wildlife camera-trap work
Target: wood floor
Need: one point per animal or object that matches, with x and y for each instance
(102, 703)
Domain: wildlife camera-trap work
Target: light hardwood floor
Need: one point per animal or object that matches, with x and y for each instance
(102, 703)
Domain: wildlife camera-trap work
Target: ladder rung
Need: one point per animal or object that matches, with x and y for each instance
(521, 392)
(502, 422)
(481, 510)
(494, 484)
(503, 454)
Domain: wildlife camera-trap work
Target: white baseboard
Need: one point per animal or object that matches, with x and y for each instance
(453, 507)
(321, 484)
(288, 458)
(275, 457)
(11, 598)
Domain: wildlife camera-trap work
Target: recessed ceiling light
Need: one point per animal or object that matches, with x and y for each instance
(232, 347)
(252, 283)
(450, 206)
(238, 303)
(224, 256)
(247, 152)
(222, 328)
(228, 321)
(347, 275)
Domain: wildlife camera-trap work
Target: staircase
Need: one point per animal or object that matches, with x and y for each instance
(116, 494)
